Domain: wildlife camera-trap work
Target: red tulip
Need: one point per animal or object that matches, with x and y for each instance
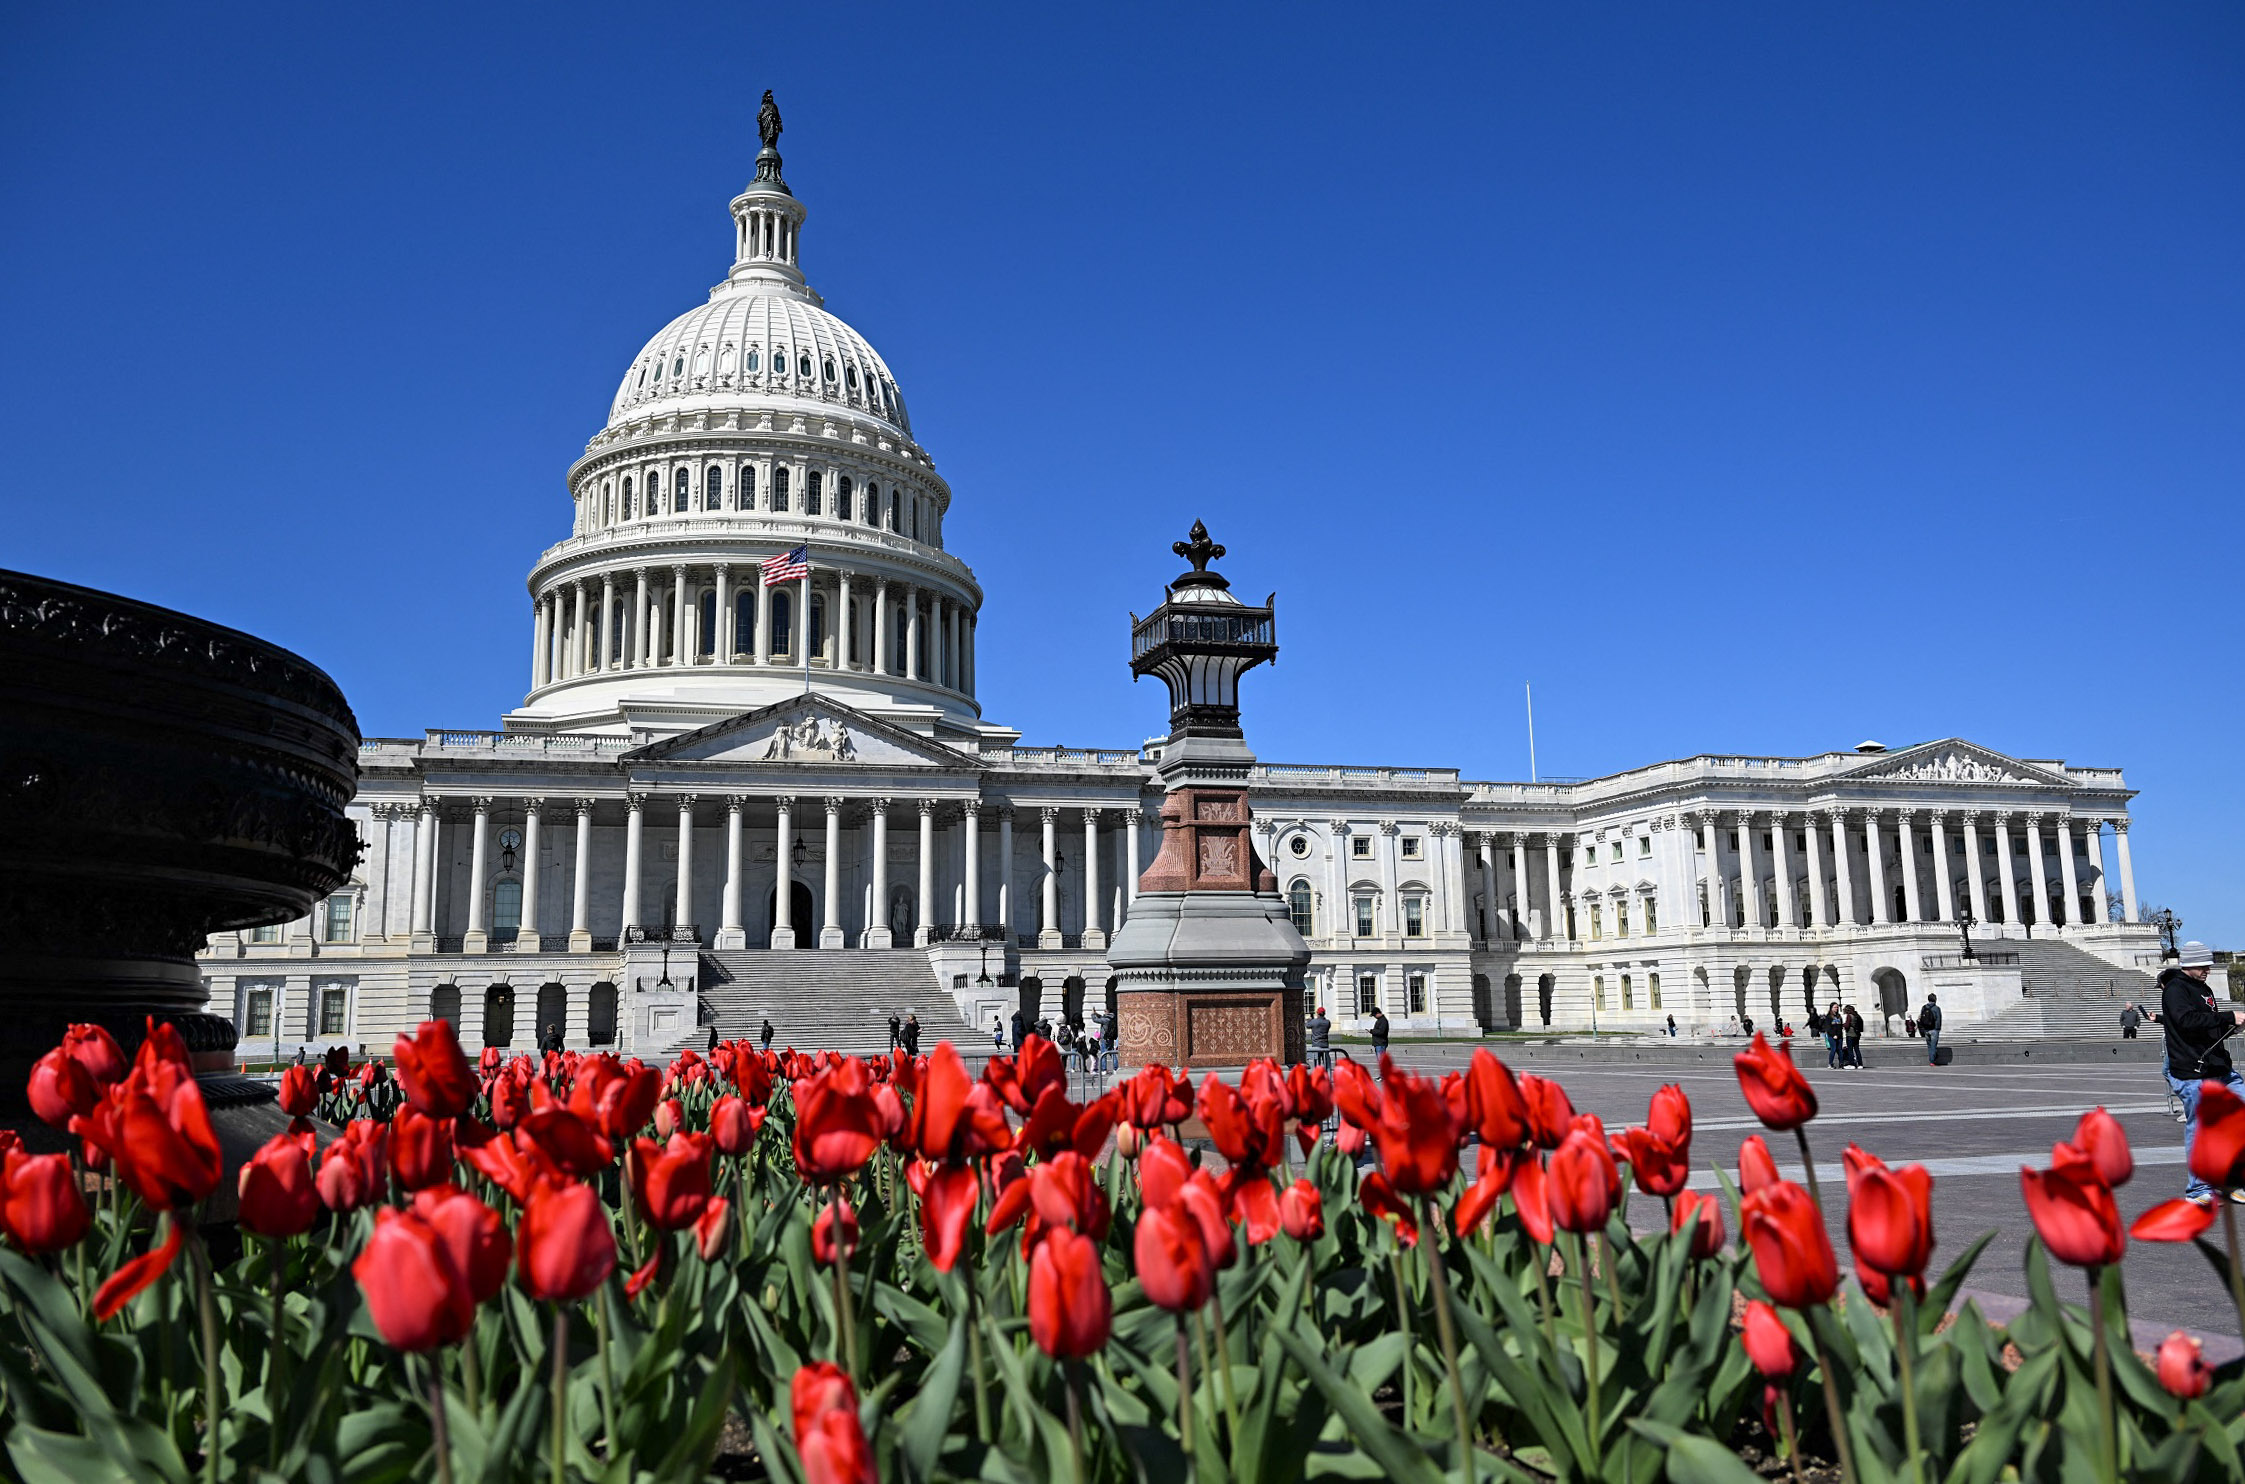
(563, 1137)
(1070, 1310)
(416, 1294)
(714, 1229)
(354, 1170)
(127, 1283)
(1494, 1107)
(41, 1204)
(510, 1102)
(473, 1235)
(1491, 1180)
(947, 1197)
(1530, 1200)
(156, 1128)
(1355, 1094)
(1769, 1344)
(1163, 1169)
(98, 1052)
(1791, 1252)
(1378, 1198)
(564, 1245)
(2100, 1136)
(1756, 1166)
(1253, 1202)
(1775, 1089)
(421, 1152)
(2182, 1366)
(1203, 1200)
(1171, 1259)
(434, 1071)
(2217, 1153)
(2178, 1220)
(1582, 1184)
(837, 1123)
(1155, 1099)
(1023, 1078)
(672, 1181)
(1890, 1219)
(1301, 1211)
(279, 1198)
(829, 1437)
(1417, 1134)
(1050, 1126)
(833, 1234)
(670, 1117)
(1704, 1215)
(735, 1125)
(1549, 1115)
(1658, 1167)
(60, 1090)
(1670, 1117)
(2073, 1209)
(616, 1097)
(1065, 1193)
(1249, 1133)
(953, 1116)
(300, 1091)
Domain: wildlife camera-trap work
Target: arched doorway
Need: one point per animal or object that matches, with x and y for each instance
(600, 1015)
(1512, 1020)
(1484, 1014)
(444, 1004)
(498, 1015)
(1740, 978)
(1546, 985)
(1112, 1008)
(1776, 996)
(1072, 999)
(553, 1009)
(1894, 992)
(1032, 998)
(802, 917)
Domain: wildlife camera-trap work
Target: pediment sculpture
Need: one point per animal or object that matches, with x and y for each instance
(1954, 766)
(811, 737)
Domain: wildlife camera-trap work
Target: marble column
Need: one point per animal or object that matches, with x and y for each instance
(1522, 912)
(1972, 873)
(1005, 869)
(526, 940)
(580, 896)
(2067, 876)
(783, 883)
(830, 930)
(1874, 846)
(1782, 867)
(912, 635)
(763, 649)
(577, 629)
(730, 933)
(2006, 873)
(970, 829)
(607, 625)
(638, 657)
(1711, 873)
(1553, 916)
(541, 640)
(2127, 872)
(1485, 852)
(2038, 873)
(2099, 883)
(1095, 929)
(845, 623)
(1048, 901)
(1945, 891)
(923, 931)
(681, 651)
(877, 931)
(1906, 849)
(879, 654)
(478, 935)
(424, 867)
(1749, 888)
(721, 642)
(1843, 870)
(1819, 918)
(682, 906)
(635, 819)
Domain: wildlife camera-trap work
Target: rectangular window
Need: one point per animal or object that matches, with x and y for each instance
(1925, 845)
(1598, 990)
(257, 1013)
(1628, 993)
(1364, 917)
(1765, 840)
(1367, 993)
(334, 1000)
(1415, 993)
(1414, 917)
(1360, 847)
(1615, 854)
(1644, 845)
(1597, 922)
(1652, 990)
(338, 918)
(1621, 919)
(1652, 917)
(811, 493)
(269, 934)
(1410, 847)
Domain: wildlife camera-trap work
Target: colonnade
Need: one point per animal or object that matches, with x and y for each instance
(650, 616)
(935, 914)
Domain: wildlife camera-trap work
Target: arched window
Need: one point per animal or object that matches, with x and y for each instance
(843, 509)
(678, 367)
(779, 488)
(872, 505)
(600, 1015)
(744, 623)
(681, 491)
(852, 377)
(701, 361)
(752, 360)
(811, 491)
(498, 1016)
(506, 910)
(829, 368)
(818, 624)
(713, 488)
(706, 641)
(725, 361)
(803, 365)
(783, 628)
(619, 628)
(1299, 907)
(915, 519)
(895, 499)
(627, 500)
(903, 637)
(744, 497)
(444, 1004)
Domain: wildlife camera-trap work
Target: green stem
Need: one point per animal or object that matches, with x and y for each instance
(273, 1356)
(206, 1304)
(1200, 1341)
(1540, 1255)
(1603, 1255)
(1445, 1325)
(1808, 1166)
(1832, 1413)
(2236, 1274)
(560, 1391)
(1410, 1344)
(2108, 1445)
(440, 1439)
(607, 1377)
(845, 1327)
(1224, 1364)
(1785, 1424)
(1185, 1399)
(1905, 1347)
(974, 1357)
(1590, 1366)
(1075, 1418)
(471, 1374)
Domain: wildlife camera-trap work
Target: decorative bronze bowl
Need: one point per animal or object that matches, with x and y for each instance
(161, 779)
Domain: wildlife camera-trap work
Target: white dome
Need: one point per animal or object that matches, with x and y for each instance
(764, 342)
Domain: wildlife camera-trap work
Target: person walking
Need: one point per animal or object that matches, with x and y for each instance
(1853, 1025)
(1929, 1026)
(998, 1035)
(1108, 1048)
(911, 1033)
(1379, 1033)
(896, 1031)
(2130, 1018)
(1321, 1039)
(1020, 1029)
(765, 1035)
(1671, 1027)
(1834, 1028)
(2195, 1031)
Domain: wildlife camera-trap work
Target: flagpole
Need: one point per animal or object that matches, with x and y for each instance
(806, 623)
(1531, 692)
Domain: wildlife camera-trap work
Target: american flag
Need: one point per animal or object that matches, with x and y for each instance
(788, 568)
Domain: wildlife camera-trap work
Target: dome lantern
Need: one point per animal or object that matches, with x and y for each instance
(1200, 641)
(767, 218)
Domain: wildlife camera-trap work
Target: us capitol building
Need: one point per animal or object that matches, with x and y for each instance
(739, 790)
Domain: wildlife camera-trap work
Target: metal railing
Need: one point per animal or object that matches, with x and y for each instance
(968, 932)
(677, 932)
(1977, 961)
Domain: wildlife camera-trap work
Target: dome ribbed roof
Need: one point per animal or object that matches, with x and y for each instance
(751, 343)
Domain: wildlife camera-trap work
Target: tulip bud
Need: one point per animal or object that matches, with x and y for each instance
(834, 1234)
(1768, 1343)
(59, 1089)
(41, 1204)
(714, 1229)
(2182, 1366)
(1301, 1211)
(278, 1195)
(1070, 1310)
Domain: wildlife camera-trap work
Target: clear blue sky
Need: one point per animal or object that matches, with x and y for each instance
(1748, 378)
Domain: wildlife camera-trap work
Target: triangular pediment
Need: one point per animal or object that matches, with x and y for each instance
(804, 730)
(1952, 760)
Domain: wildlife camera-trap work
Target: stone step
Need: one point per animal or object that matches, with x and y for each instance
(829, 1001)
(2070, 993)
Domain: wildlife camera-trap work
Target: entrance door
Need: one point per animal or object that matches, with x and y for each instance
(801, 916)
(498, 1016)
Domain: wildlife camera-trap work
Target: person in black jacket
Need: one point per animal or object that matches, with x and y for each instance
(2195, 1054)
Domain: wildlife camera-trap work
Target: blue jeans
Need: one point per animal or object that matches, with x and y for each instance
(2188, 1092)
(1933, 1046)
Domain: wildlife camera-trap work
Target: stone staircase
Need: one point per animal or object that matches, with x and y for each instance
(2071, 994)
(835, 1000)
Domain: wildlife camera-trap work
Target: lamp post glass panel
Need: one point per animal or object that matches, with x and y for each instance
(2168, 923)
(1964, 926)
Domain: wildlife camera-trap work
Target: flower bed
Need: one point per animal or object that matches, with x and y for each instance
(578, 1267)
